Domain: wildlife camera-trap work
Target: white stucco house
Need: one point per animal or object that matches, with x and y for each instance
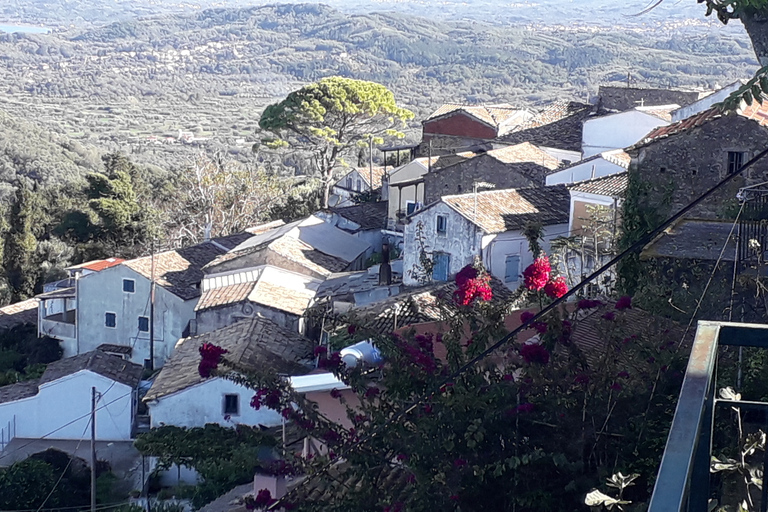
(623, 129)
(112, 305)
(180, 396)
(706, 102)
(595, 166)
(457, 229)
(58, 404)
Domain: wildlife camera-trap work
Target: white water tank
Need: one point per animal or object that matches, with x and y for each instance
(362, 352)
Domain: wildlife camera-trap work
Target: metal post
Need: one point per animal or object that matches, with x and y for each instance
(93, 449)
(152, 312)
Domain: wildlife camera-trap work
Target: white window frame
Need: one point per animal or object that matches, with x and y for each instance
(415, 207)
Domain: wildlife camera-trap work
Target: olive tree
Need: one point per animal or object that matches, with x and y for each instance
(329, 119)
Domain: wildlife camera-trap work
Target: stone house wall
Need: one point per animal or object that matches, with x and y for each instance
(458, 178)
(679, 168)
(625, 98)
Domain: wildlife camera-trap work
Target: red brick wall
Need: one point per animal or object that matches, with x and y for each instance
(459, 125)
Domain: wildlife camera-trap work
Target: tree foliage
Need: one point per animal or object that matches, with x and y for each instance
(330, 118)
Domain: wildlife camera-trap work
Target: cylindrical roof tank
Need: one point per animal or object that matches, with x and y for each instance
(362, 352)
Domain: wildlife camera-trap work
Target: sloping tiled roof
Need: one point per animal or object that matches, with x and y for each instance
(284, 298)
(304, 254)
(663, 112)
(109, 366)
(613, 185)
(365, 173)
(559, 126)
(493, 115)
(24, 312)
(757, 112)
(694, 239)
(179, 270)
(496, 211)
(524, 152)
(233, 240)
(97, 265)
(224, 295)
(366, 215)
(256, 343)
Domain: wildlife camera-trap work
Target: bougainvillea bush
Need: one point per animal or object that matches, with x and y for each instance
(535, 425)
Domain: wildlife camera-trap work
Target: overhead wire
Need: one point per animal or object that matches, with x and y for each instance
(634, 247)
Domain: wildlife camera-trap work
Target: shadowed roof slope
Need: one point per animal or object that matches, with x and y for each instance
(613, 185)
(255, 343)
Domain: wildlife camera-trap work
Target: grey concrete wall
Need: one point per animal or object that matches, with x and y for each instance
(625, 98)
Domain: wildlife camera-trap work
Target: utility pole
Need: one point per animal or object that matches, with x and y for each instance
(370, 162)
(152, 311)
(93, 449)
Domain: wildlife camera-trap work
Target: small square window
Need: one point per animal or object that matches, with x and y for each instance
(110, 319)
(144, 324)
(410, 207)
(231, 404)
(442, 224)
(735, 161)
(129, 285)
(147, 364)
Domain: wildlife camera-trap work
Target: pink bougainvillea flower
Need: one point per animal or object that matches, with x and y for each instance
(541, 327)
(351, 329)
(266, 397)
(556, 288)
(210, 359)
(331, 362)
(526, 316)
(616, 386)
(263, 499)
(372, 392)
(581, 379)
(533, 353)
(471, 285)
(320, 351)
(623, 303)
(609, 315)
(536, 276)
(335, 393)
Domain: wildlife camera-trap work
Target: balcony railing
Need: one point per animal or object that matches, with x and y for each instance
(682, 484)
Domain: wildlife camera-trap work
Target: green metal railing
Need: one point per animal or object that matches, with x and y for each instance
(683, 479)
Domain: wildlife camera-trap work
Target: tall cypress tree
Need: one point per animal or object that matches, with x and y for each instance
(20, 244)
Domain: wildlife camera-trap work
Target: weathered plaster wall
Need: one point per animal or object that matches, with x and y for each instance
(462, 240)
(102, 292)
(216, 318)
(584, 171)
(617, 131)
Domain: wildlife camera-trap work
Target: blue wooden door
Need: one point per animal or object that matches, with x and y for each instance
(442, 262)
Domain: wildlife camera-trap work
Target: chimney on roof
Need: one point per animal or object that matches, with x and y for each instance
(385, 270)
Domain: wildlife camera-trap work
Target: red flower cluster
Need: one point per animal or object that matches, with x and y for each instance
(623, 303)
(266, 397)
(330, 362)
(556, 287)
(264, 499)
(211, 357)
(534, 353)
(537, 274)
(471, 285)
(420, 351)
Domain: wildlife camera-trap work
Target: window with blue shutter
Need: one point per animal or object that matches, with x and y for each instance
(512, 268)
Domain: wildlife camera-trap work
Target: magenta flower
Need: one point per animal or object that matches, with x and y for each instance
(372, 392)
(210, 359)
(588, 304)
(616, 386)
(534, 353)
(536, 276)
(524, 408)
(610, 316)
(471, 285)
(335, 393)
(320, 351)
(351, 329)
(526, 316)
(263, 499)
(556, 288)
(581, 379)
(623, 303)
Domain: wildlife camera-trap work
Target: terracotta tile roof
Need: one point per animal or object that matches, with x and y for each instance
(694, 240)
(525, 152)
(502, 116)
(109, 366)
(97, 265)
(256, 343)
(224, 295)
(180, 270)
(231, 241)
(116, 349)
(24, 312)
(366, 215)
(263, 228)
(757, 112)
(503, 210)
(559, 126)
(613, 185)
(618, 157)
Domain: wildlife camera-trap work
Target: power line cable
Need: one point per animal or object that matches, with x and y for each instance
(636, 246)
